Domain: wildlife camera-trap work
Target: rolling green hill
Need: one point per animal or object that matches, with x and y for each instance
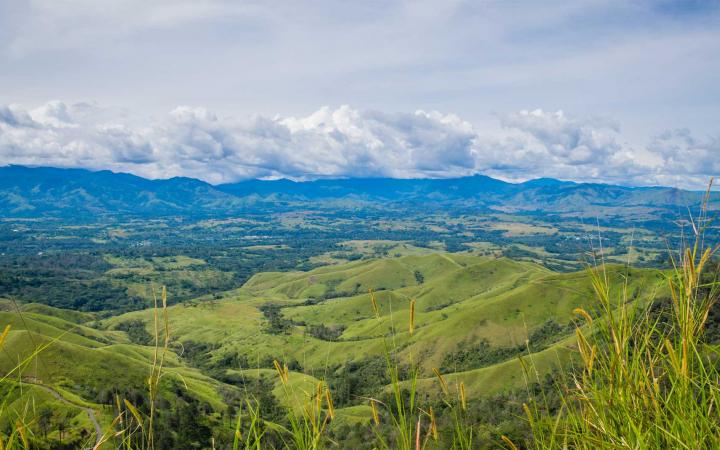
(79, 370)
(323, 319)
(474, 316)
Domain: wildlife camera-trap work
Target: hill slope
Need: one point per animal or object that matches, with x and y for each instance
(475, 316)
(322, 320)
(79, 370)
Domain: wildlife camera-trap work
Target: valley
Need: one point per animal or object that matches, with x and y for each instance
(302, 287)
(475, 316)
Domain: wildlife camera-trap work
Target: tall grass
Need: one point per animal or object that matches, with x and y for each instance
(309, 419)
(253, 438)
(133, 429)
(308, 412)
(17, 436)
(411, 428)
(648, 379)
(463, 432)
(20, 434)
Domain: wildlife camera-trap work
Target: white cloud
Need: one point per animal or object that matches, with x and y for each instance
(677, 156)
(567, 140)
(346, 142)
(553, 144)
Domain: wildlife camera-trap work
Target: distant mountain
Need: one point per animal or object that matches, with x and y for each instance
(373, 188)
(32, 192)
(53, 192)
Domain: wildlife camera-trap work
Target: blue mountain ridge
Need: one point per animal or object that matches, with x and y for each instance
(58, 192)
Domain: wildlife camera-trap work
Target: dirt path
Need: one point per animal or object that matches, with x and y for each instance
(450, 259)
(90, 412)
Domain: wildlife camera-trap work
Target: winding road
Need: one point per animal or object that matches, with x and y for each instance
(90, 412)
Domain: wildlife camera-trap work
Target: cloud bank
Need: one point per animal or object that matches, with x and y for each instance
(346, 142)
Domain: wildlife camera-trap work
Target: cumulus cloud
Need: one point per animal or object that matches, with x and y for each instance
(553, 144)
(567, 140)
(345, 142)
(340, 142)
(677, 155)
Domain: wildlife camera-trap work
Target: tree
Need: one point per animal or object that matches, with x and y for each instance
(63, 422)
(45, 420)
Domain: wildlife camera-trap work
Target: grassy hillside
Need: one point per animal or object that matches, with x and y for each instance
(323, 319)
(474, 318)
(78, 372)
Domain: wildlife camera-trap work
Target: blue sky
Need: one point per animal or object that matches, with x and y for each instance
(617, 91)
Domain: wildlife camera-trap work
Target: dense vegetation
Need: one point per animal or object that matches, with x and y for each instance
(108, 265)
(482, 354)
(473, 316)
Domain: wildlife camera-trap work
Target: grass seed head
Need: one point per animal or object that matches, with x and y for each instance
(509, 443)
(412, 316)
(375, 415)
(433, 425)
(582, 312)
(4, 335)
(282, 371)
(441, 379)
(329, 401)
(374, 304)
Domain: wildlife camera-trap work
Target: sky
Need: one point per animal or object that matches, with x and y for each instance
(617, 91)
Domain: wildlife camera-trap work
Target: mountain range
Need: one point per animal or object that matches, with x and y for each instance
(33, 192)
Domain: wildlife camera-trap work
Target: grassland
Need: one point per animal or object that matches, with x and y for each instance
(322, 324)
(85, 367)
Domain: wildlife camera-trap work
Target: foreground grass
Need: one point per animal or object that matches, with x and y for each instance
(648, 379)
